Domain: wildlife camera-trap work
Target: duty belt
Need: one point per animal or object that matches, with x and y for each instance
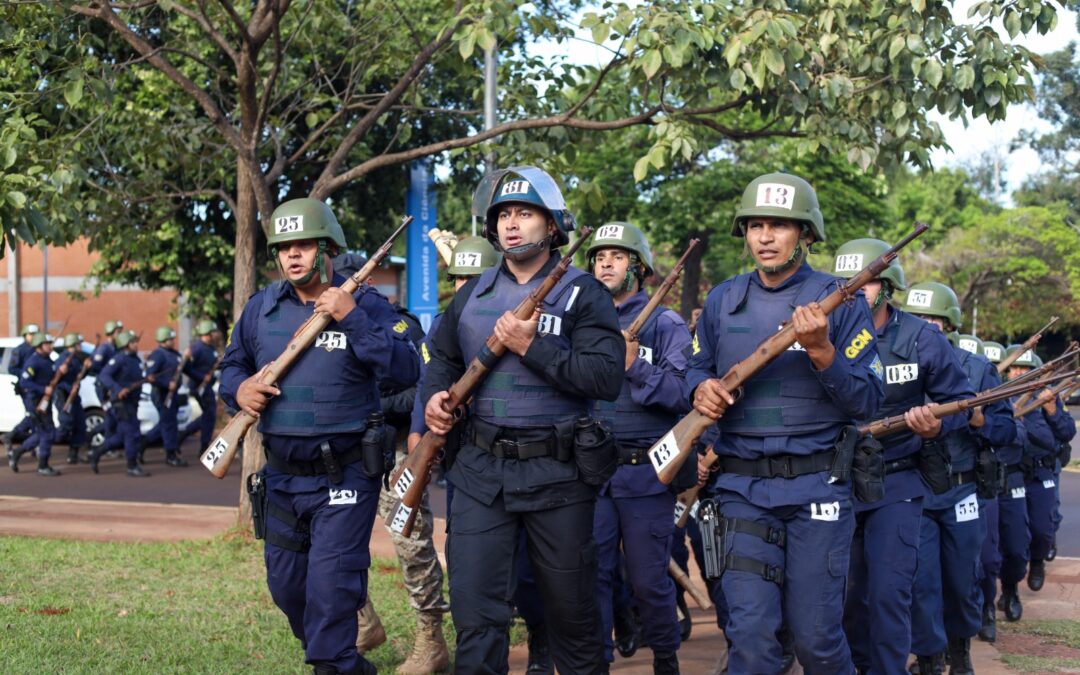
(778, 466)
(505, 443)
(902, 464)
(962, 478)
(1010, 469)
(314, 467)
(1047, 461)
(633, 456)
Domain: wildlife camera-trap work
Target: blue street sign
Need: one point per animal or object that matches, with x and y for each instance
(422, 263)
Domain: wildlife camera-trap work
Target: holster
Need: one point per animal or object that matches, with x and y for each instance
(1065, 454)
(935, 465)
(712, 538)
(989, 473)
(717, 538)
(256, 490)
(868, 470)
(594, 451)
(840, 471)
(1027, 465)
(373, 443)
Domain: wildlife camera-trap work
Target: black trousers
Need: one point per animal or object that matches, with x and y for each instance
(481, 554)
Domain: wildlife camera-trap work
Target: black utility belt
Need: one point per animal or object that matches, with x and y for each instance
(1010, 469)
(315, 467)
(962, 478)
(633, 456)
(778, 466)
(516, 443)
(1047, 461)
(903, 464)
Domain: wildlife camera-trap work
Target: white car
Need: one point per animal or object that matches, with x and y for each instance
(12, 410)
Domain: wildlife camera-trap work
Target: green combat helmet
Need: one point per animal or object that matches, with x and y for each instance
(164, 333)
(993, 351)
(629, 238)
(40, 338)
(113, 326)
(124, 338)
(780, 195)
(471, 257)
(1028, 359)
(205, 327)
(30, 329)
(299, 219)
(856, 254)
(933, 299)
(969, 343)
(72, 340)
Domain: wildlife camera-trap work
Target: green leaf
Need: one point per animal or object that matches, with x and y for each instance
(656, 156)
(651, 62)
(774, 61)
(73, 92)
(758, 74)
(899, 109)
(932, 72)
(918, 5)
(895, 46)
(467, 44)
(311, 119)
(965, 77)
(641, 169)
(1012, 23)
(10, 156)
(16, 199)
(737, 80)
(600, 33)
(992, 95)
(486, 39)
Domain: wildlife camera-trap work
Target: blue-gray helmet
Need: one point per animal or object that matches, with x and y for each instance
(521, 185)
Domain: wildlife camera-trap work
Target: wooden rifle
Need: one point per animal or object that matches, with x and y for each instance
(668, 454)
(1028, 344)
(174, 383)
(219, 456)
(1046, 369)
(87, 362)
(412, 478)
(205, 381)
(1056, 390)
(631, 332)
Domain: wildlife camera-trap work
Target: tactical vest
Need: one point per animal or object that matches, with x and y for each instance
(1036, 422)
(512, 395)
(203, 358)
(899, 352)
(972, 366)
(785, 398)
(167, 361)
(327, 390)
(636, 426)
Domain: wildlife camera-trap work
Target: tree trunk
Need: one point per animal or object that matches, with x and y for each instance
(254, 458)
(690, 296)
(247, 223)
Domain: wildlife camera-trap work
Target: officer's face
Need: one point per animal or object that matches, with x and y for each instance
(1017, 371)
(46, 347)
(772, 240)
(936, 320)
(520, 224)
(872, 290)
(611, 266)
(297, 258)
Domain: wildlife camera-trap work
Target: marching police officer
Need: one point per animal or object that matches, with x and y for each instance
(919, 366)
(103, 353)
(122, 377)
(947, 607)
(1047, 426)
(789, 527)
(530, 457)
(73, 420)
(35, 382)
(634, 508)
(161, 367)
(200, 370)
(15, 367)
(321, 487)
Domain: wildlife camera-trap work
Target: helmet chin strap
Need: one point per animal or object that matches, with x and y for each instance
(883, 295)
(526, 252)
(319, 267)
(795, 258)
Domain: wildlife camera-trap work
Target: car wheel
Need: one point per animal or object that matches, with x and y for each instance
(95, 427)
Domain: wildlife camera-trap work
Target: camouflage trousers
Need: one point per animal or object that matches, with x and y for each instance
(420, 568)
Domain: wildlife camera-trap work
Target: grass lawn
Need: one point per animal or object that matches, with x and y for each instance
(189, 607)
(1049, 633)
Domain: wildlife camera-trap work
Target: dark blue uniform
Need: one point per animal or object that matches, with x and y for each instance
(508, 474)
(121, 371)
(791, 410)
(19, 356)
(1046, 432)
(919, 366)
(103, 353)
(203, 360)
(72, 422)
(634, 508)
(319, 525)
(947, 601)
(35, 377)
(162, 364)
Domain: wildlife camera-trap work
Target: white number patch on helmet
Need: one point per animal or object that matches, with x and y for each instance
(849, 262)
(515, 187)
(288, 224)
(969, 346)
(776, 195)
(610, 232)
(920, 298)
(992, 353)
(466, 259)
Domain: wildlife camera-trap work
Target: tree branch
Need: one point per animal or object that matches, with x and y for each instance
(204, 23)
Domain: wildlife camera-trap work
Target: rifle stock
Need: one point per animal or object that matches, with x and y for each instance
(43, 404)
(1056, 390)
(174, 383)
(221, 452)
(685, 501)
(1028, 344)
(411, 480)
(658, 297)
(82, 373)
(668, 454)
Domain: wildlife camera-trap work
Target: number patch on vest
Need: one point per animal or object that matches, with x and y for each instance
(858, 343)
(549, 325)
(776, 195)
(610, 232)
(828, 511)
(214, 453)
(515, 187)
(288, 224)
(665, 451)
(466, 259)
(338, 497)
(401, 516)
(1048, 484)
(1018, 492)
(645, 354)
(849, 262)
(967, 509)
(901, 373)
(920, 298)
(331, 340)
(403, 483)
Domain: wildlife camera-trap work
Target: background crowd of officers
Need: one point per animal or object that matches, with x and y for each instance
(50, 371)
(554, 507)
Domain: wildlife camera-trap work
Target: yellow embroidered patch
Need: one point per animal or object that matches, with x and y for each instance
(697, 347)
(401, 326)
(424, 352)
(858, 343)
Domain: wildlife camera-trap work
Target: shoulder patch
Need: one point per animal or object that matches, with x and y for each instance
(696, 345)
(401, 326)
(425, 353)
(877, 367)
(858, 343)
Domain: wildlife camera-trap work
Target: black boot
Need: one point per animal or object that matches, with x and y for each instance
(1052, 552)
(136, 471)
(539, 653)
(960, 657)
(13, 457)
(929, 665)
(627, 633)
(686, 624)
(1036, 575)
(44, 469)
(93, 457)
(1010, 603)
(665, 664)
(988, 632)
(176, 460)
(787, 645)
(73, 455)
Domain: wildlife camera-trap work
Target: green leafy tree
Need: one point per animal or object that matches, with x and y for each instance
(945, 199)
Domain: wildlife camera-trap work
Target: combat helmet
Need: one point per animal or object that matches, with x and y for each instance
(856, 254)
(112, 326)
(205, 327)
(471, 257)
(305, 218)
(30, 329)
(40, 338)
(1029, 359)
(780, 195)
(124, 338)
(930, 298)
(164, 333)
(969, 343)
(522, 185)
(993, 351)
